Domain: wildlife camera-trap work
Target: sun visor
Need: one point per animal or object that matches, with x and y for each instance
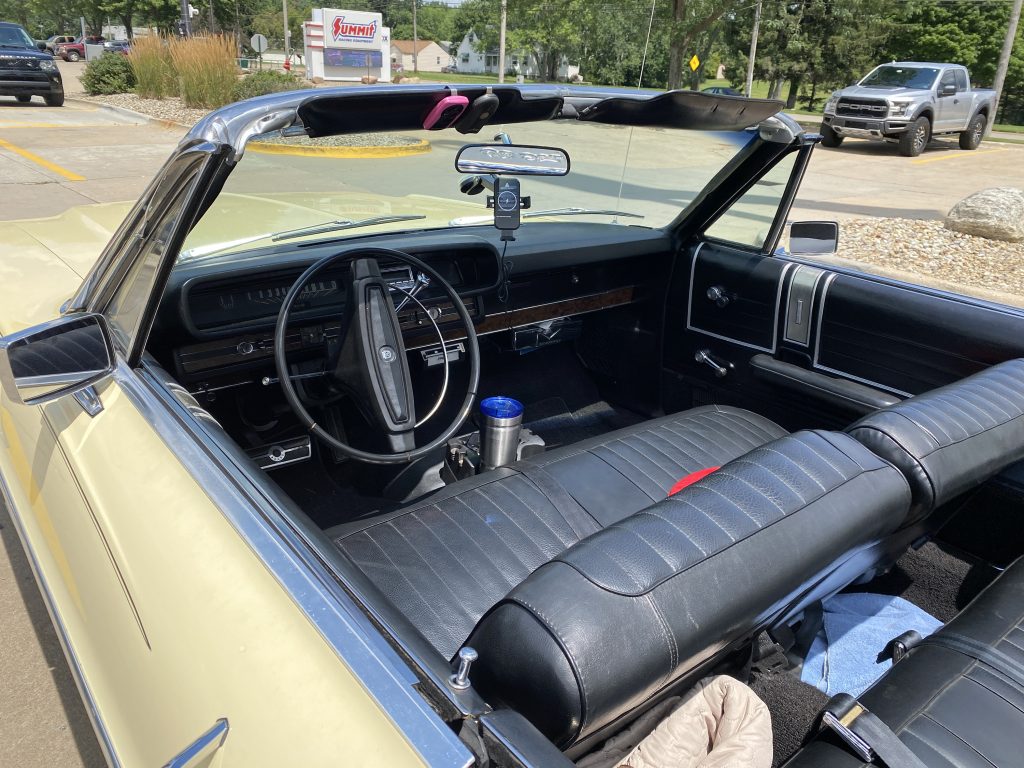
(386, 110)
(681, 109)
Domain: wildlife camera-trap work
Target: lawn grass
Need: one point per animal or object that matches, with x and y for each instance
(458, 77)
(1008, 128)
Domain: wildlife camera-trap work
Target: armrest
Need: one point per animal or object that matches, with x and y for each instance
(842, 392)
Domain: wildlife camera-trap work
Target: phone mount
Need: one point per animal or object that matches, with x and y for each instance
(507, 203)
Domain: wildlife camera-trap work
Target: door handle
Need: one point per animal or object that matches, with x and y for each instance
(721, 369)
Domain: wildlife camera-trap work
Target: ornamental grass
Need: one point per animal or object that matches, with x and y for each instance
(150, 61)
(206, 69)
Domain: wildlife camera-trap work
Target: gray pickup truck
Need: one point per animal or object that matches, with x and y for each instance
(908, 102)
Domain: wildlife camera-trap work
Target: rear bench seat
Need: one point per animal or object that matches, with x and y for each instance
(649, 603)
(948, 706)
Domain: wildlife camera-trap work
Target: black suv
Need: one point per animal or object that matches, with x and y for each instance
(25, 71)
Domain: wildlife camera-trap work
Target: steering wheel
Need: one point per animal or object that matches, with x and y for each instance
(371, 364)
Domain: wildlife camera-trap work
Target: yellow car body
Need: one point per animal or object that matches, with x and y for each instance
(174, 627)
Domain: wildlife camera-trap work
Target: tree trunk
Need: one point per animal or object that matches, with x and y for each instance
(794, 91)
(776, 87)
(127, 19)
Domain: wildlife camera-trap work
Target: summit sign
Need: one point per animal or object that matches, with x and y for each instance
(352, 29)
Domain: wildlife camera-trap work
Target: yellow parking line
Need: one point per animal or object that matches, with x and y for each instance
(69, 175)
(954, 155)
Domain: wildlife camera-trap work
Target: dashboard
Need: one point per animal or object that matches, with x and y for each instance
(217, 318)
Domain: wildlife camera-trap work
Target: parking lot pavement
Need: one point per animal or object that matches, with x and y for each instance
(42, 720)
(53, 159)
(864, 178)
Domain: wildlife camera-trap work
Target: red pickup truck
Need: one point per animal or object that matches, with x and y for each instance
(76, 51)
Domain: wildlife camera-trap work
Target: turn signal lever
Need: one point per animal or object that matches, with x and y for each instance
(720, 367)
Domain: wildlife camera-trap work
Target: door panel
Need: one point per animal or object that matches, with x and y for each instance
(868, 340)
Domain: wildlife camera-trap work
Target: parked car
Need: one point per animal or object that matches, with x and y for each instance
(25, 71)
(117, 46)
(450, 68)
(907, 103)
(75, 51)
(721, 90)
(56, 40)
(413, 470)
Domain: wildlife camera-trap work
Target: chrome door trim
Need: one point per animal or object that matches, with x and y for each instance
(95, 718)
(202, 747)
(314, 588)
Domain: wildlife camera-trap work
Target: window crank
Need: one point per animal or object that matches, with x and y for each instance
(718, 294)
(705, 356)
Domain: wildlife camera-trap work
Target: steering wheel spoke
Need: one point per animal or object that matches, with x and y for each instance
(370, 362)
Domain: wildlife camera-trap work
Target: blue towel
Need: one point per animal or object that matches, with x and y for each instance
(844, 656)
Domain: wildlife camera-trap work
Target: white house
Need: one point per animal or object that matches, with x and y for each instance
(523, 62)
(430, 57)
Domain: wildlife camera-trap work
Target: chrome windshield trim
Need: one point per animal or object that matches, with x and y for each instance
(261, 524)
(202, 747)
(95, 718)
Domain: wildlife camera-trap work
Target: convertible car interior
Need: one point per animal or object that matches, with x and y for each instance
(571, 468)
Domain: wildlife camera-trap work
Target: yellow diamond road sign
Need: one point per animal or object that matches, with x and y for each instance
(694, 63)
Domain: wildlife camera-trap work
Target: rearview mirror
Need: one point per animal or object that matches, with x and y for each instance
(813, 238)
(60, 356)
(512, 160)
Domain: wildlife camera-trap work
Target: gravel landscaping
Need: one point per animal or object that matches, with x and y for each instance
(164, 109)
(348, 140)
(928, 253)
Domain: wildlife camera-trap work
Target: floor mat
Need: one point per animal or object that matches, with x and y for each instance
(794, 706)
(857, 627)
(937, 577)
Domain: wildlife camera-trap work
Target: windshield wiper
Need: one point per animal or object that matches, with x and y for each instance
(203, 251)
(464, 221)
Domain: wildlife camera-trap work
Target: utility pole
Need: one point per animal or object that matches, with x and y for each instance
(415, 39)
(186, 20)
(1004, 59)
(501, 42)
(212, 21)
(287, 34)
(753, 49)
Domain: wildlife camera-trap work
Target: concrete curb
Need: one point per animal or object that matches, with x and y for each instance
(367, 153)
(124, 111)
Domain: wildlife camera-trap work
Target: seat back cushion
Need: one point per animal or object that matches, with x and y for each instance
(951, 439)
(637, 607)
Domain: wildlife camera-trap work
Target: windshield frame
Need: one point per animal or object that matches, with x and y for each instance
(937, 73)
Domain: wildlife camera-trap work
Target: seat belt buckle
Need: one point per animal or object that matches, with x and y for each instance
(840, 714)
(898, 648)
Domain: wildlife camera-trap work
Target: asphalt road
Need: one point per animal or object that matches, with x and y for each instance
(54, 159)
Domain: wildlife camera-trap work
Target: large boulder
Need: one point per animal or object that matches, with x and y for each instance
(997, 214)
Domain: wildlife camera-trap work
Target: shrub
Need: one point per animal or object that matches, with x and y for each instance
(261, 83)
(206, 69)
(110, 73)
(151, 62)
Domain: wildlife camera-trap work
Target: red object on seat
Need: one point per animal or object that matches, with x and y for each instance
(690, 479)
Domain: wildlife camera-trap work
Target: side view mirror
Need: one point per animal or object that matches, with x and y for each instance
(52, 359)
(948, 89)
(813, 238)
(41, 45)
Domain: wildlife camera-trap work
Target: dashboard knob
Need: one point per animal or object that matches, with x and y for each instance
(245, 348)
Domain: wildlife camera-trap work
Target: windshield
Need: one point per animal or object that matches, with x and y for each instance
(383, 182)
(891, 76)
(15, 37)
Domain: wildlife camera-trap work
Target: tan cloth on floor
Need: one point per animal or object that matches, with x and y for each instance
(720, 723)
